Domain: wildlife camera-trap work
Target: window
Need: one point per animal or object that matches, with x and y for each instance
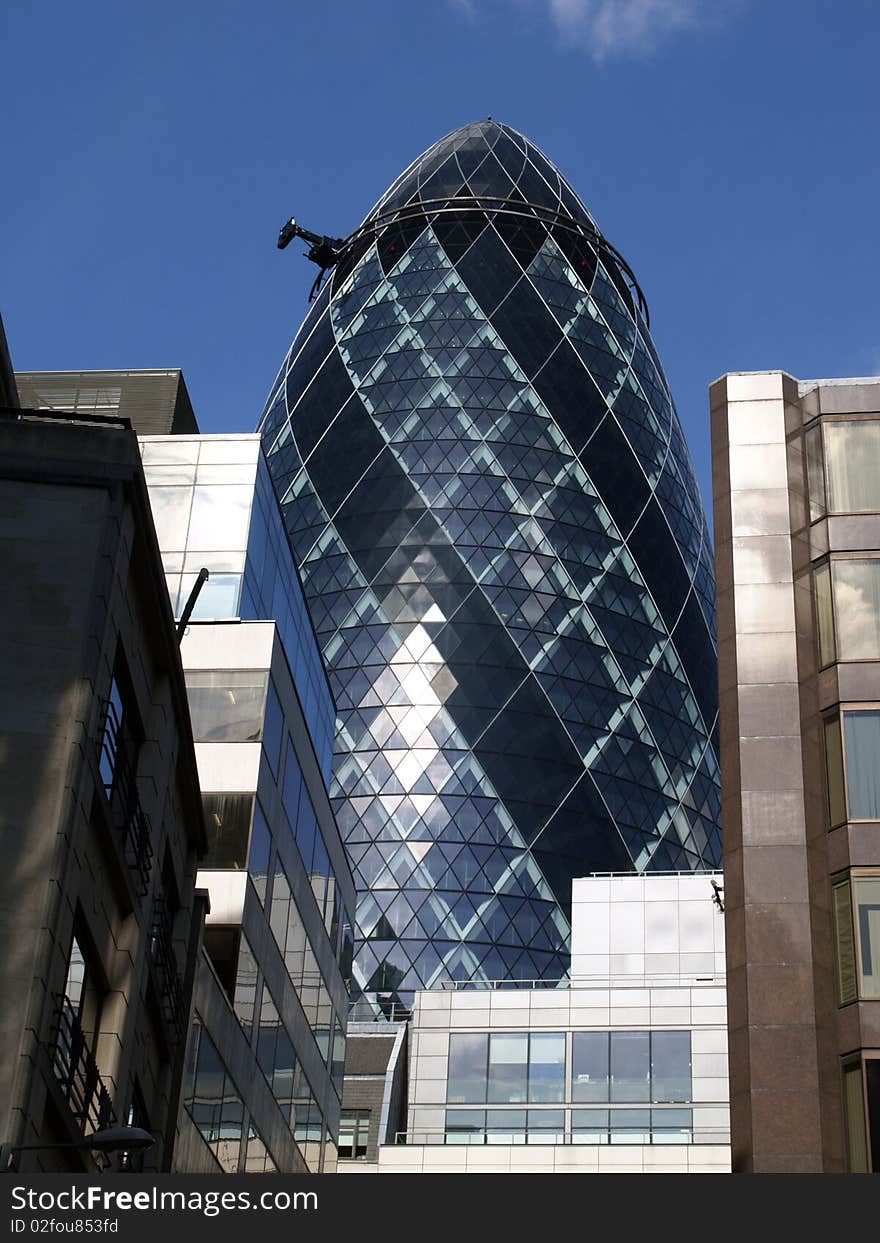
(856, 903)
(670, 1066)
(213, 1100)
(847, 989)
(861, 1107)
(835, 787)
(852, 452)
(547, 1066)
(508, 1068)
(824, 615)
(226, 706)
(589, 1075)
(861, 740)
(630, 1066)
(815, 472)
(228, 825)
(273, 728)
(866, 894)
(354, 1129)
(856, 594)
(467, 1067)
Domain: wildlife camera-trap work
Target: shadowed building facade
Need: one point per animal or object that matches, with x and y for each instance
(504, 551)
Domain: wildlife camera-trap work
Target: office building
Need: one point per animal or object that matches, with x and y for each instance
(100, 815)
(796, 471)
(264, 1077)
(622, 1068)
(503, 547)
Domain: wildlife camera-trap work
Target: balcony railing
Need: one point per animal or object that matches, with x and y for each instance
(129, 819)
(379, 1012)
(170, 985)
(77, 1072)
(589, 1138)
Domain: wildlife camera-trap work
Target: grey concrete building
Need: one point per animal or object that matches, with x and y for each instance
(100, 813)
(796, 475)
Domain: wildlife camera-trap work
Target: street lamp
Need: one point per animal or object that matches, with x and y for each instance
(108, 1139)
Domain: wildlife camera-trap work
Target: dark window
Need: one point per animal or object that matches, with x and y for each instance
(354, 1127)
(228, 824)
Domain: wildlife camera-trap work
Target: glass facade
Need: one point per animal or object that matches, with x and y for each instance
(628, 1071)
(504, 551)
(213, 506)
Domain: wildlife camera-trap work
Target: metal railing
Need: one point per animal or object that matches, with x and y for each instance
(163, 958)
(590, 1137)
(77, 1072)
(379, 1012)
(129, 819)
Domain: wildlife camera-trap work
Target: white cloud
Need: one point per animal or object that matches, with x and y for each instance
(607, 28)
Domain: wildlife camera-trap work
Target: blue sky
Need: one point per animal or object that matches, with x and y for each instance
(728, 148)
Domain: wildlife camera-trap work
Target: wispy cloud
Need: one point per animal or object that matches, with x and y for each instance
(609, 28)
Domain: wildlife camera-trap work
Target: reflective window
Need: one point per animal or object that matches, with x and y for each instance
(467, 1067)
(244, 997)
(815, 472)
(226, 706)
(857, 608)
(547, 1066)
(630, 1126)
(508, 1068)
(824, 615)
(630, 1066)
(589, 1078)
(275, 1054)
(228, 826)
(354, 1127)
(465, 1126)
(260, 850)
(505, 1126)
(670, 1066)
(546, 1126)
(866, 894)
(171, 508)
(589, 1126)
(852, 452)
(213, 1100)
(861, 732)
(273, 726)
(847, 986)
(834, 772)
(220, 517)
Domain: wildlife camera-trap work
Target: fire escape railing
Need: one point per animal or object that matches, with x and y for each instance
(77, 1072)
(129, 819)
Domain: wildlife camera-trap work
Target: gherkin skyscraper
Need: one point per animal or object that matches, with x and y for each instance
(507, 562)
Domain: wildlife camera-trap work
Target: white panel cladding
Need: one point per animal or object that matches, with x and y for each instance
(569, 1159)
(228, 645)
(227, 890)
(646, 927)
(228, 767)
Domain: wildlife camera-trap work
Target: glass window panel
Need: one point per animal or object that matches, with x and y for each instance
(854, 1112)
(468, 1056)
(508, 1068)
(171, 508)
(228, 825)
(853, 454)
(630, 1126)
(218, 597)
(672, 1126)
(260, 849)
(844, 942)
(589, 1072)
(226, 706)
(670, 1066)
(273, 727)
(861, 736)
(465, 1126)
(547, 1066)
(872, 1092)
(815, 473)
(834, 773)
(857, 608)
(220, 517)
(589, 1126)
(867, 921)
(630, 1066)
(546, 1126)
(825, 617)
(505, 1126)
(291, 786)
(244, 998)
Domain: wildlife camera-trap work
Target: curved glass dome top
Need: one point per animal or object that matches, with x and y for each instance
(485, 158)
(507, 563)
